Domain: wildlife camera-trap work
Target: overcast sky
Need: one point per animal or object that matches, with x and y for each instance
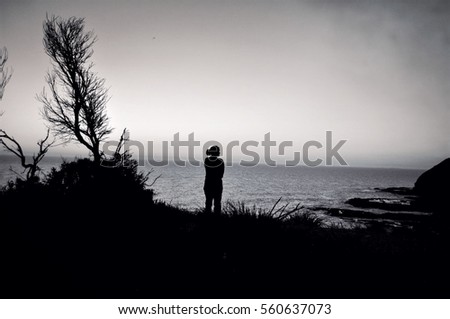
(375, 73)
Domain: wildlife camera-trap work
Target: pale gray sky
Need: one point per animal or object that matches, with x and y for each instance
(376, 73)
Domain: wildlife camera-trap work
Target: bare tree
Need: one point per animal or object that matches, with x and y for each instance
(5, 74)
(76, 105)
(11, 145)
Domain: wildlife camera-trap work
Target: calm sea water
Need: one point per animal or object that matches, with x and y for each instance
(262, 185)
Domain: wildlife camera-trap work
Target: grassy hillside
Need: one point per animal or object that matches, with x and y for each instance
(112, 241)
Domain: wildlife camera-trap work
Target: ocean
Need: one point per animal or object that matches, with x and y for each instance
(263, 185)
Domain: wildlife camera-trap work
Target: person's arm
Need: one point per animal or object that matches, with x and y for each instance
(205, 164)
(222, 169)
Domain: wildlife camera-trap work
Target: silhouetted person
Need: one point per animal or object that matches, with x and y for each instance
(214, 168)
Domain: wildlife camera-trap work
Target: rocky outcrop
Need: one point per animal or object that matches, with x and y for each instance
(351, 213)
(433, 187)
(384, 204)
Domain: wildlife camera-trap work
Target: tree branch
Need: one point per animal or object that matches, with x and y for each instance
(11, 145)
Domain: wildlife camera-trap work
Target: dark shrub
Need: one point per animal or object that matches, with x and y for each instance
(83, 176)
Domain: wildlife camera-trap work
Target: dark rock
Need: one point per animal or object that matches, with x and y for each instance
(385, 204)
(396, 190)
(351, 213)
(433, 187)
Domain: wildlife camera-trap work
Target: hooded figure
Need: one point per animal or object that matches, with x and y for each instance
(214, 168)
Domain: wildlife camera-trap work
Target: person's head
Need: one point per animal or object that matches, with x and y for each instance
(213, 151)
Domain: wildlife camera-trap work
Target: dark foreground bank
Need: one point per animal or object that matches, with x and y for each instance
(130, 247)
(96, 232)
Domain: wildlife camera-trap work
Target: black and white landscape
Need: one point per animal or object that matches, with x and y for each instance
(224, 149)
